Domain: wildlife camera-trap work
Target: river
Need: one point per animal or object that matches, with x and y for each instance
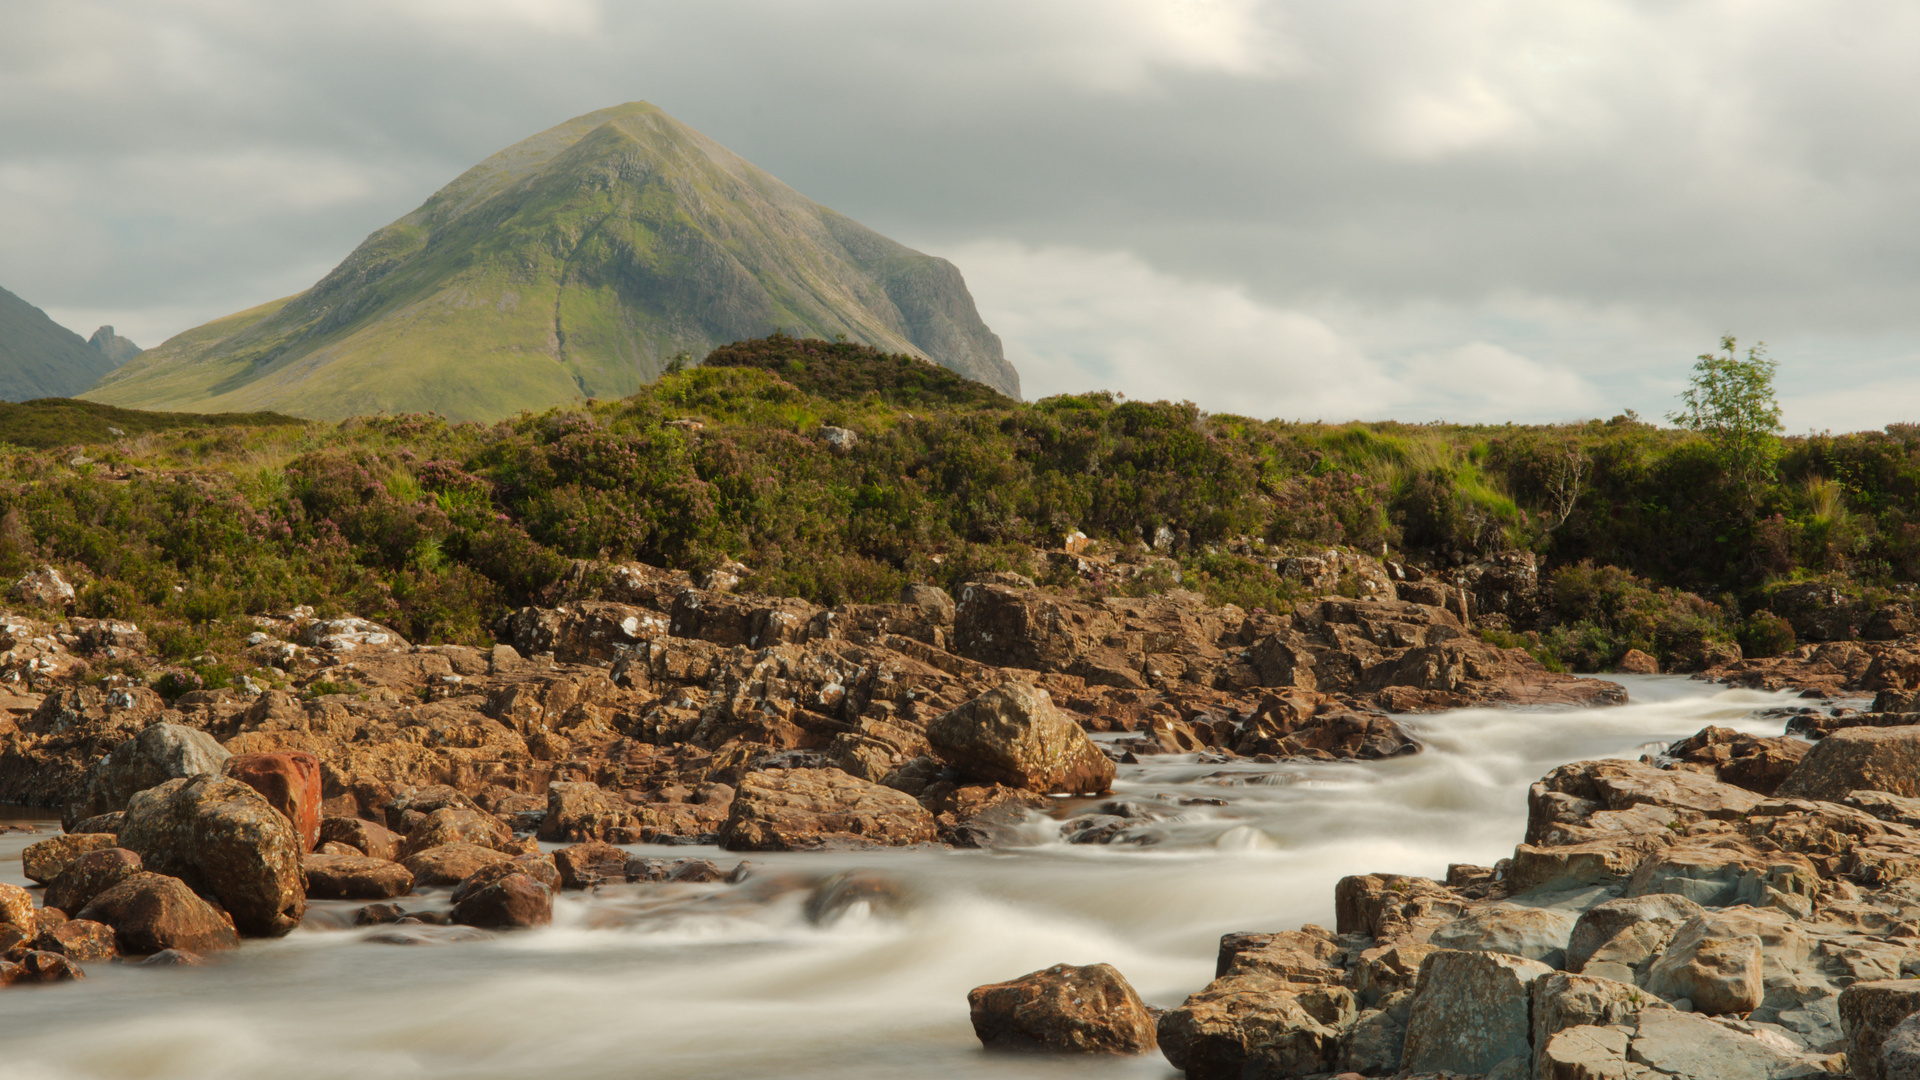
(666, 982)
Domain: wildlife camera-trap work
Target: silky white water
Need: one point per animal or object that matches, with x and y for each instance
(733, 981)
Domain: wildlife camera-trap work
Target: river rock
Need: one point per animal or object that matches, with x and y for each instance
(1662, 1044)
(160, 753)
(1900, 1051)
(1534, 933)
(1711, 964)
(290, 780)
(82, 939)
(1014, 736)
(584, 865)
(580, 810)
(153, 912)
(355, 877)
(1087, 1010)
(514, 902)
(1748, 761)
(16, 906)
(881, 895)
(1858, 759)
(1604, 921)
(370, 838)
(1372, 1046)
(453, 825)
(225, 839)
(88, 876)
(1255, 1025)
(1562, 1001)
(1471, 1013)
(805, 809)
(1635, 662)
(1869, 1012)
(39, 966)
(450, 864)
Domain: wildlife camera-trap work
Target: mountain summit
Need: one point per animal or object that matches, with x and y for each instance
(576, 263)
(40, 358)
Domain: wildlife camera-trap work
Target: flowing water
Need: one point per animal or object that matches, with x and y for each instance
(735, 981)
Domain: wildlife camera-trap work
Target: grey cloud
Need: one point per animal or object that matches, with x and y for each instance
(1593, 190)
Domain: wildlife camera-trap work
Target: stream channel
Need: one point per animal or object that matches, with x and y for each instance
(718, 981)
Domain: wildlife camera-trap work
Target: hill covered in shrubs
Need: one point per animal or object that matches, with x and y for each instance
(438, 528)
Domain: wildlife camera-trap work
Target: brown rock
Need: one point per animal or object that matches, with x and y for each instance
(452, 825)
(1255, 1025)
(90, 875)
(16, 906)
(1636, 662)
(514, 902)
(174, 958)
(371, 839)
(152, 912)
(1869, 1011)
(225, 839)
(1858, 759)
(40, 966)
(81, 939)
(43, 860)
(355, 877)
(806, 809)
(1747, 761)
(1712, 965)
(1471, 1012)
(581, 811)
(290, 780)
(1013, 735)
(450, 864)
(1087, 1010)
(582, 866)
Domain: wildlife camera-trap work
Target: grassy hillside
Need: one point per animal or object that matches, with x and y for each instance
(41, 358)
(575, 264)
(438, 527)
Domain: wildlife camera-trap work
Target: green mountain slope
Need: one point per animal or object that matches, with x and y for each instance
(576, 263)
(41, 358)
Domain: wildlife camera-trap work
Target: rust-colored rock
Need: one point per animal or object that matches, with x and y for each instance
(150, 913)
(1013, 735)
(355, 877)
(806, 809)
(1087, 1010)
(584, 865)
(290, 780)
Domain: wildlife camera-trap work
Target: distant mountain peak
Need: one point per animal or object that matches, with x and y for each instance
(113, 346)
(575, 263)
(40, 358)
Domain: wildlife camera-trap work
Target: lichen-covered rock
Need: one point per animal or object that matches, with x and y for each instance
(805, 809)
(151, 913)
(513, 902)
(1711, 965)
(1900, 1051)
(1858, 759)
(1471, 1013)
(43, 860)
(1534, 933)
(81, 939)
(160, 753)
(1088, 1010)
(450, 864)
(16, 907)
(290, 780)
(1014, 736)
(1870, 1011)
(1604, 921)
(88, 876)
(226, 840)
(453, 825)
(355, 877)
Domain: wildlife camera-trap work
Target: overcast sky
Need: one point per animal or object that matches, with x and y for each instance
(1478, 210)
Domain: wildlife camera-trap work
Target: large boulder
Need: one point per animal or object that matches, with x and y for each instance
(1712, 964)
(290, 779)
(1870, 1012)
(1014, 736)
(806, 809)
(152, 913)
(355, 877)
(1471, 1012)
(1089, 1010)
(90, 875)
(510, 902)
(1858, 759)
(1606, 920)
(225, 840)
(1534, 933)
(160, 753)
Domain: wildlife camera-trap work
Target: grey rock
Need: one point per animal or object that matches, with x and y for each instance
(1562, 1001)
(1900, 1051)
(1713, 965)
(1602, 922)
(1471, 1012)
(1535, 933)
(1870, 1012)
(160, 753)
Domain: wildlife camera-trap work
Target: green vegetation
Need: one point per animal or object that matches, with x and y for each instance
(48, 422)
(1650, 537)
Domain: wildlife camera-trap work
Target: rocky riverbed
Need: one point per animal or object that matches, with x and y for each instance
(751, 815)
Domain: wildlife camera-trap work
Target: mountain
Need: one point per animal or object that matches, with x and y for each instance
(112, 346)
(576, 263)
(40, 358)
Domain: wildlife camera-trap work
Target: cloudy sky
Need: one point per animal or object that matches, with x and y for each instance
(1479, 210)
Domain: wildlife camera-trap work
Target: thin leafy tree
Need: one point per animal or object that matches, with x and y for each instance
(1730, 400)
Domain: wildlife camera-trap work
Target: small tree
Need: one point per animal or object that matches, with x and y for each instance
(1730, 400)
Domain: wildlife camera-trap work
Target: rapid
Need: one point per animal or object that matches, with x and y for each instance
(735, 981)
